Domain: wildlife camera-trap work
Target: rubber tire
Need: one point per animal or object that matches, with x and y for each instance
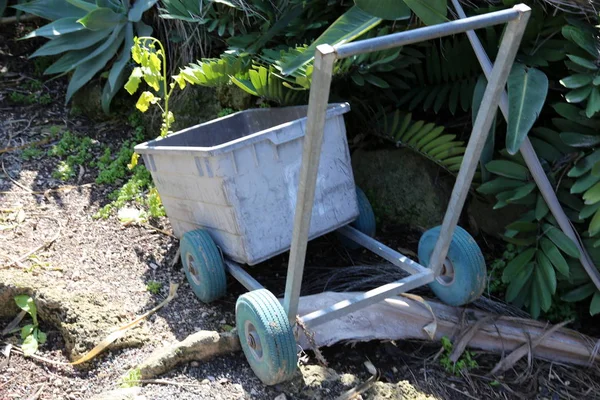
(279, 352)
(469, 267)
(208, 264)
(365, 222)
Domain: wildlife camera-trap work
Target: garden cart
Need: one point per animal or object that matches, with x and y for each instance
(243, 188)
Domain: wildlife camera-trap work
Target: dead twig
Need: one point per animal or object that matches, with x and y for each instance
(310, 336)
(524, 349)
(36, 395)
(14, 181)
(14, 323)
(29, 253)
(14, 19)
(465, 338)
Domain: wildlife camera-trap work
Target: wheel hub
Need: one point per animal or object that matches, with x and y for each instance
(194, 274)
(446, 276)
(253, 340)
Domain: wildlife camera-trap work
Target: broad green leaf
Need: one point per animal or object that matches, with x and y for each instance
(101, 19)
(580, 293)
(578, 95)
(50, 9)
(546, 271)
(83, 5)
(431, 12)
(583, 62)
(517, 264)
(519, 281)
(522, 226)
(346, 28)
(3, 4)
(119, 66)
(41, 336)
(522, 192)
(589, 210)
(140, 7)
(584, 183)
(593, 105)
(142, 29)
(575, 114)
(488, 149)
(576, 81)
(146, 98)
(592, 195)
(71, 41)
(583, 39)
(498, 185)
(109, 92)
(385, 9)
(541, 208)
(527, 90)
(86, 71)
(579, 140)
(26, 303)
(584, 165)
(555, 257)
(594, 227)
(68, 60)
(543, 290)
(561, 241)
(376, 81)
(29, 346)
(26, 331)
(595, 304)
(508, 169)
(56, 28)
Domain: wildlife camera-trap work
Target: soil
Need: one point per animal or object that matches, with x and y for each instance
(92, 276)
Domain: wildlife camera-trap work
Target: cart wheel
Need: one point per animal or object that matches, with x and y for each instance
(266, 336)
(463, 275)
(203, 265)
(365, 221)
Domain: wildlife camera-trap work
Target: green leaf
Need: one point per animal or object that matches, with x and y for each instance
(71, 41)
(519, 281)
(575, 114)
(517, 264)
(431, 12)
(583, 39)
(83, 4)
(593, 105)
(576, 81)
(595, 304)
(488, 149)
(41, 336)
(584, 165)
(527, 90)
(546, 271)
(589, 210)
(138, 8)
(499, 185)
(377, 81)
(26, 303)
(580, 293)
(385, 9)
(134, 80)
(579, 140)
(146, 98)
(86, 71)
(561, 241)
(594, 227)
(101, 19)
(346, 28)
(508, 169)
(56, 28)
(582, 62)
(555, 257)
(522, 192)
(522, 226)
(29, 346)
(543, 293)
(50, 9)
(119, 66)
(26, 331)
(541, 208)
(578, 95)
(592, 195)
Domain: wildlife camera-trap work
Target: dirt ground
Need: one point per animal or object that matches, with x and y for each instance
(106, 266)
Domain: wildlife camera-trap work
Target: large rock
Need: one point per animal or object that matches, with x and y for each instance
(403, 187)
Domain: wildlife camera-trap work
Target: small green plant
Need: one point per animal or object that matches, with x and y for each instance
(495, 283)
(31, 334)
(225, 111)
(64, 171)
(464, 363)
(73, 151)
(154, 287)
(33, 84)
(31, 152)
(22, 98)
(45, 99)
(131, 378)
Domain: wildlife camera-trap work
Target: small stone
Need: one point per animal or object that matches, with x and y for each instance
(152, 265)
(205, 381)
(223, 380)
(204, 314)
(281, 397)
(57, 382)
(253, 392)
(395, 370)
(223, 321)
(194, 364)
(211, 378)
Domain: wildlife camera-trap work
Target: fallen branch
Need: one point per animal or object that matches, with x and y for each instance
(12, 20)
(201, 345)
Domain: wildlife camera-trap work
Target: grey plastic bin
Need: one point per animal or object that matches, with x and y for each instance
(237, 177)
